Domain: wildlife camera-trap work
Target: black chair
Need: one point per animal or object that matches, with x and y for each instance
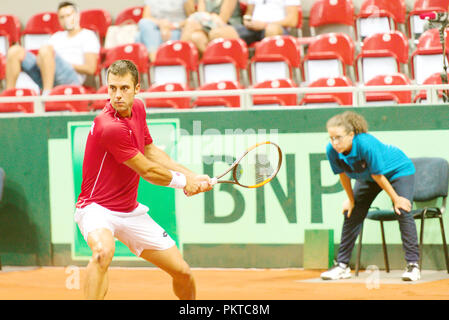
(431, 184)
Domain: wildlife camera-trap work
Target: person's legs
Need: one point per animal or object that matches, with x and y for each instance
(226, 32)
(273, 29)
(102, 244)
(193, 31)
(18, 59)
(249, 36)
(404, 187)
(171, 261)
(150, 35)
(46, 64)
(364, 194)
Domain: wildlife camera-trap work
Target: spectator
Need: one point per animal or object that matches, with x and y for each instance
(266, 18)
(68, 58)
(162, 21)
(213, 19)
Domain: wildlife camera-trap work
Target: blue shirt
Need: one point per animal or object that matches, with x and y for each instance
(370, 156)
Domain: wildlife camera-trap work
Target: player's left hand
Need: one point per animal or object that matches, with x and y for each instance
(204, 183)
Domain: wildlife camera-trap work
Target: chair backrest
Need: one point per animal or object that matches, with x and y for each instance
(74, 106)
(431, 178)
(393, 80)
(131, 14)
(341, 98)
(395, 42)
(97, 20)
(396, 9)
(168, 102)
(10, 24)
(227, 101)
(38, 30)
(26, 107)
(281, 99)
(136, 52)
(325, 12)
(336, 43)
(2, 182)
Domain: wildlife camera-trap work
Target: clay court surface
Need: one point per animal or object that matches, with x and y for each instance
(50, 283)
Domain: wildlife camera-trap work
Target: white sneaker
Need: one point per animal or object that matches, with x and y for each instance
(339, 271)
(412, 272)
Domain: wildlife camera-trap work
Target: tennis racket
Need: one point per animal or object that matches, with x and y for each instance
(257, 166)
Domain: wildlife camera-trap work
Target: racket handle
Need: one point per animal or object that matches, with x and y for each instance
(213, 181)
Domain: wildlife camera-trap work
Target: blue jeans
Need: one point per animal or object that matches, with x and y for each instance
(150, 35)
(64, 72)
(364, 194)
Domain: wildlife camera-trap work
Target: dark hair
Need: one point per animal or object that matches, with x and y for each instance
(66, 4)
(350, 120)
(123, 67)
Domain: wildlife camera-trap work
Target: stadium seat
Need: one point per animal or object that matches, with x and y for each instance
(10, 31)
(276, 57)
(169, 102)
(427, 59)
(224, 60)
(73, 106)
(329, 55)
(382, 53)
(415, 23)
(276, 99)
(38, 30)
(99, 104)
(329, 98)
(215, 101)
(136, 52)
(379, 16)
(2, 68)
(421, 96)
(388, 97)
(97, 20)
(332, 16)
(175, 61)
(131, 14)
(26, 107)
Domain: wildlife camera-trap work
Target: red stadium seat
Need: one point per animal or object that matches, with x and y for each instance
(170, 102)
(2, 67)
(379, 16)
(277, 57)
(99, 104)
(97, 20)
(131, 14)
(329, 55)
(10, 31)
(226, 101)
(328, 15)
(26, 107)
(68, 90)
(339, 98)
(276, 99)
(382, 53)
(415, 23)
(422, 95)
(38, 30)
(176, 61)
(224, 60)
(389, 96)
(427, 59)
(136, 52)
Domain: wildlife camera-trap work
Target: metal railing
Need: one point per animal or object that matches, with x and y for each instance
(358, 94)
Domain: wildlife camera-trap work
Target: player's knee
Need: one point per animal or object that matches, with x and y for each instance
(45, 51)
(183, 274)
(273, 29)
(15, 52)
(103, 257)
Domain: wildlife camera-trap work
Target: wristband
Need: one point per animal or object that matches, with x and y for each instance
(178, 180)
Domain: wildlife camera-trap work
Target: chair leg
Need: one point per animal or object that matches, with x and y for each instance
(421, 239)
(359, 253)
(384, 247)
(443, 235)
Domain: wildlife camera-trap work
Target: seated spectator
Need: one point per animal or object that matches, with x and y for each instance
(266, 18)
(162, 21)
(213, 19)
(68, 58)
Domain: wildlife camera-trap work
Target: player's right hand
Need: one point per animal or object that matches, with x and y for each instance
(197, 184)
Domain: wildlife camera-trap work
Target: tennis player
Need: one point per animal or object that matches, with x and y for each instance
(353, 153)
(120, 150)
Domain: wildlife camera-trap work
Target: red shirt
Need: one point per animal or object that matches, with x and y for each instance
(111, 141)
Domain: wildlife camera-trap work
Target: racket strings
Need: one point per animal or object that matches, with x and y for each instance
(259, 165)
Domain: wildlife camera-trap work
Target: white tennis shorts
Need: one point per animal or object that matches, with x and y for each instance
(136, 229)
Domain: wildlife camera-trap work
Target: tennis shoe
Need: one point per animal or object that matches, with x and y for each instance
(339, 271)
(412, 272)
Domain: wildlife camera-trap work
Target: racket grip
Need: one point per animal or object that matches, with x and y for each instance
(213, 181)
